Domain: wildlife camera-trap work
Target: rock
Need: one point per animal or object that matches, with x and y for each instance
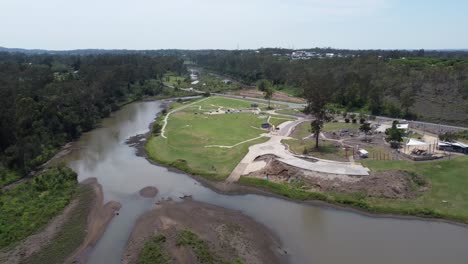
(149, 192)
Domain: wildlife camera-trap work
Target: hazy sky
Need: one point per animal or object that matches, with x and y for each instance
(197, 24)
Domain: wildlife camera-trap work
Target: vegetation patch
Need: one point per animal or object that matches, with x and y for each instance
(30, 205)
(8, 176)
(201, 248)
(72, 233)
(326, 150)
(154, 252)
(171, 79)
(338, 126)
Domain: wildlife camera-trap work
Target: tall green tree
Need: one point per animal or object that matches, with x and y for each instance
(268, 95)
(318, 91)
(365, 128)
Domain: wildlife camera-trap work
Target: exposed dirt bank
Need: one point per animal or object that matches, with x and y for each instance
(149, 192)
(229, 234)
(386, 184)
(98, 219)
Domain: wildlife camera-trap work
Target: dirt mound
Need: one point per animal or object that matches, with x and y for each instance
(229, 234)
(387, 184)
(148, 192)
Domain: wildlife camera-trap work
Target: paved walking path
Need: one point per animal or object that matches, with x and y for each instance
(275, 147)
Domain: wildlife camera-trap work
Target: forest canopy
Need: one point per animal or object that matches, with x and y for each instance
(434, 89)
(48, 100)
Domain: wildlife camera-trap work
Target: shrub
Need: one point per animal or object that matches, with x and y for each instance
(156, 129)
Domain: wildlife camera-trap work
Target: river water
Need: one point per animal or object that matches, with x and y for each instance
(310, 234)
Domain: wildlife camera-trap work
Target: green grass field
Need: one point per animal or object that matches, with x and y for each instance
(277, 120)
(170, 79)
(340, 126)
(215, 102)
(189, 132)
(327, 150)
(448, 180)
(289, 111)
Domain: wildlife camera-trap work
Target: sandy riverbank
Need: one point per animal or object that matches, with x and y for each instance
(229, 234)
(99, 217)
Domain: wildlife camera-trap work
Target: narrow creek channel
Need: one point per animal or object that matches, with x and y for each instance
(310, 234)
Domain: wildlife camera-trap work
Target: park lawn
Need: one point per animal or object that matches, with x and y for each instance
(328, 127)
(448, 179)
(214, 102)
(277, 120)
(302, 130)
(290, 111)
(188, 134)
(327, 150)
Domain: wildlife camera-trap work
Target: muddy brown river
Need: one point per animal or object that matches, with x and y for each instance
(310, 234)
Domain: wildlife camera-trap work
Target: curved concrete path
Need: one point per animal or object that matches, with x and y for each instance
(275, 147)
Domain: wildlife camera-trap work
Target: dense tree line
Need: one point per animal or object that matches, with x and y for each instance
(47, 100)
(415, 87)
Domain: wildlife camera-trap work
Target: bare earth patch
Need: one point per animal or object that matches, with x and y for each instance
(386, 184)
(229, 234)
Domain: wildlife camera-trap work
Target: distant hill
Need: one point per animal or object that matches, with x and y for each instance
(166, 52)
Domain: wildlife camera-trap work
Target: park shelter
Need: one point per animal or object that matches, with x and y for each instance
(414, 145)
